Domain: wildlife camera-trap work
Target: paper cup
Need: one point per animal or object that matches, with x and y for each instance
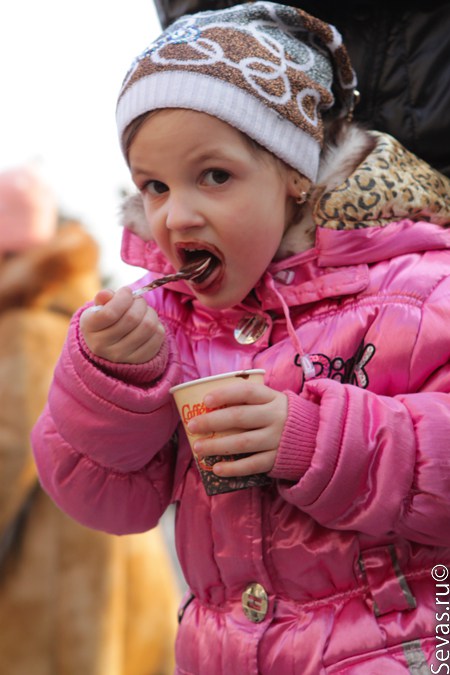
(189, 401)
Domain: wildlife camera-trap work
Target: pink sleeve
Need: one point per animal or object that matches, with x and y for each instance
(379, 464)
(102, 446)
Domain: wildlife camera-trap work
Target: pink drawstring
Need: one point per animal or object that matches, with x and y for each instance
(307, 366)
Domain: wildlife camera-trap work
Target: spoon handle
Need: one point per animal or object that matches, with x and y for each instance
(160, 282)
(154, 284)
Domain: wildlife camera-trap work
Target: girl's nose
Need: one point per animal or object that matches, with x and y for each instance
(182, 213)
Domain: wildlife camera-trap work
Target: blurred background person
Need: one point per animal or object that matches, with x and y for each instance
(72, 601)
(401, 54)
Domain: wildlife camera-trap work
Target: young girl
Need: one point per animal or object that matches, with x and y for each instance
(330, 269)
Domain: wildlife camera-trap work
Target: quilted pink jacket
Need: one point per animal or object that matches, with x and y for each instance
(329, 568)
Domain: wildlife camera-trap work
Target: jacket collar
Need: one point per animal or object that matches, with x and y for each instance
(301, 280)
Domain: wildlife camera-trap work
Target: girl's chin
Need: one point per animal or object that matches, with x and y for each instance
(220, 299)
(219, 292)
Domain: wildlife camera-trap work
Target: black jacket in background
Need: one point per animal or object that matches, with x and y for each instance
(401, 54)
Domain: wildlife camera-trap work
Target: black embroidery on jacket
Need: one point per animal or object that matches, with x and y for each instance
(351, 371)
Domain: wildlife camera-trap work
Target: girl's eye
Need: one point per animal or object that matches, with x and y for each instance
(155, 187)
(216, 177)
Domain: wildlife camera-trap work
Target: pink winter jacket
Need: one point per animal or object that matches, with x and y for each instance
(329, 568)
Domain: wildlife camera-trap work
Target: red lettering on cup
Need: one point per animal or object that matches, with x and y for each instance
(188, 412)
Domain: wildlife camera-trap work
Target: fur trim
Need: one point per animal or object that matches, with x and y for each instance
(345, 150)
(342, 155)
(133, 216)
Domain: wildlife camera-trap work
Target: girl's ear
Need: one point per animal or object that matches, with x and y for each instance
(298, 186)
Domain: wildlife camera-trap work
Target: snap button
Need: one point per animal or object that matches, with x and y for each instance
(255, 602)
(250, 328)
(285, 277)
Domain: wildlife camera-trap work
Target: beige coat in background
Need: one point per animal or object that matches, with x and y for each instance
(72, 601)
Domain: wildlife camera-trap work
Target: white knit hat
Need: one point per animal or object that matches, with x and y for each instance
(269, 70)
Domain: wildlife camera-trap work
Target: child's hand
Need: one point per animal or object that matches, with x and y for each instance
(258, 412)
(125, 330)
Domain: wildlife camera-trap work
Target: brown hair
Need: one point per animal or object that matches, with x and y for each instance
(131, 131)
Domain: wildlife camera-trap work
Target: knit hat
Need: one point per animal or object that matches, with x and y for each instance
(269, 70)
(28, 210)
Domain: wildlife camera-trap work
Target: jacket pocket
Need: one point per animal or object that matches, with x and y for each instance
(415, 657)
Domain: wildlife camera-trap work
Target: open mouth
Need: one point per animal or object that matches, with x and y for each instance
(207, 260)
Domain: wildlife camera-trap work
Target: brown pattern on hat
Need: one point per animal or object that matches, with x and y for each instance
(237, 46)
(345, 75)
(277, 61)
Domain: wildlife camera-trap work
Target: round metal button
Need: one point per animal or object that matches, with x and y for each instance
(255, 602)
(250, 328)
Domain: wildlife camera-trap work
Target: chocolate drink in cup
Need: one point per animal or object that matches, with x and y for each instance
(189, 401)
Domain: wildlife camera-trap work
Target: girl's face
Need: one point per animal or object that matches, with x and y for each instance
(205, 187)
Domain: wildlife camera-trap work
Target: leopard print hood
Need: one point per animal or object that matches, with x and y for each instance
(390, 184)
(367, 179)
